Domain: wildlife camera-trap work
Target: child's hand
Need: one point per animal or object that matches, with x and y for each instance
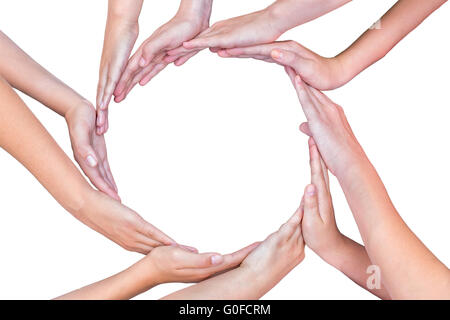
(149, 60)
(120, 37)
(176, 264)
(317, 71)
(276, 256)
(251, 29)
(328, 126)
(121, 224)
(89, 148)
(318, 224)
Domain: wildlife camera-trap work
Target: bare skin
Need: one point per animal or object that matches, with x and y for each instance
(409, 270)
(330, 73)
(119, 72)
(23, 136)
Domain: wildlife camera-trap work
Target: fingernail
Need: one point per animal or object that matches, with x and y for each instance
(277, 54)
(310, 190)
(142, 62)
(298, 80)
(91, 161)
(101, 105)
(217, 259)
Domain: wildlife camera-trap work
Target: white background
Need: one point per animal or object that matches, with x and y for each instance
(210, 152)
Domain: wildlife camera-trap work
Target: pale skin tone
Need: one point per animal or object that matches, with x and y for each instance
(408, 269)
(321, 232)
(89, 149)
(118, 72)
(162, 265)
(23, 136)
(330, 73)
(252, 271)
(184, 36)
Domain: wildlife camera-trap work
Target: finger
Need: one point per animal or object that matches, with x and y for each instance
(158, 68)
(178, 51)
(109, 90)
(261, 50)
(318, 178)
(198, 43)
(291, 73)
(150, 49)
(189, 248)
(193, 260)
(311, 205)
(154, 233)
(109, 174)
(285, 57)
(304, 127)
(146, 241)
(287, 229)
(130, 71)
(306, 100)
(214, 50)
(98, 181)
(182, 60)
(101, 87)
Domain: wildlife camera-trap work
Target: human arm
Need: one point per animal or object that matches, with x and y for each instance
(24, 137)
(261, 270)
(321, 233)
(325, 73)
(89, 150)
(261, 26)
(162, 265)
(121, 32)
(408, 269)
(191, 18)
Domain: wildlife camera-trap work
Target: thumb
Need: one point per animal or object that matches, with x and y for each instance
(311, 204)
(304, 127)
(202, 260)
(285, 57)
(149, 51)
(84, 150)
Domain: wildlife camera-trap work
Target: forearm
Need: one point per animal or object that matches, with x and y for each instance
(125, 10)
(390, 244)
(26, 75)
(377, 41)
(287, 14)
(23, 136)
(237, 284)
(122, 286)
(351, 259)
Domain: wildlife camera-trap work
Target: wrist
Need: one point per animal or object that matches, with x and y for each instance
(345, 67)
(144, 274)
(196, 11)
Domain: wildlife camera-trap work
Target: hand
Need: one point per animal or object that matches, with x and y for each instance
(318, 224)
(89, 148)
(276, 256)
(251, 29)
(120, 37)
(317, 71)
(175, 264)
(328, 126)
(191, 19)
(121, 224)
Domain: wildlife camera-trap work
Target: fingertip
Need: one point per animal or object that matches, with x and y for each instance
(310, 191)
(217, 259)
(142, 62)
(277, 54)
(187, 45)
(91, 160)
